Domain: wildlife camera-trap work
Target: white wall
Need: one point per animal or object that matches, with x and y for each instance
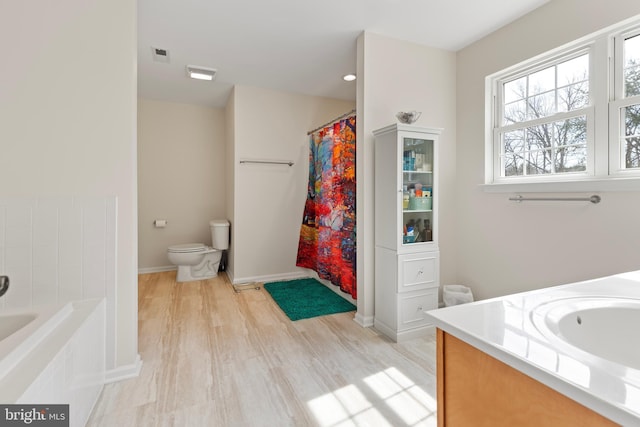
(395, 75)
(67, 124)
(181, 176)
(230, 170)
(269, 199)
(504, 247)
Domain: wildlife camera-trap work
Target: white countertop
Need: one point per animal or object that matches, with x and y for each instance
(503, 328)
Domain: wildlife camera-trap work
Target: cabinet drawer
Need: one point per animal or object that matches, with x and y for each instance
(417, 271)
(411, 308)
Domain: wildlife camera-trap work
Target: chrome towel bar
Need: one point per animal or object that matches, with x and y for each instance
(270, 162)
(593, 199)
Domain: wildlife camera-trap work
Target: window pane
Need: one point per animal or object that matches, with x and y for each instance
(559, 88)
(632, 51)
(542, 105)
(573, 97)
(513, 165)
(571, 159)
(632, 120)
(632, 152)
(515, 112)
(551, 148)
(573, 71)
(542, 81)
(539, 137)
(632, 66)
(631, 141)
(571, 132)
(539, 162)
(514, 142)
(515, 90)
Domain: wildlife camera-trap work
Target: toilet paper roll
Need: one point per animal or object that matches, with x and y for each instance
(160, 223)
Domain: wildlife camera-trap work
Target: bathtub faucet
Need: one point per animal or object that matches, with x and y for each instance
(4, 285)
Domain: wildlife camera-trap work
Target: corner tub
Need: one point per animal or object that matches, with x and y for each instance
(54, 355)
(580, 342)
(12, 323)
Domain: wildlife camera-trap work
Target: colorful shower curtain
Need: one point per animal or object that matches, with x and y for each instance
(328, 233)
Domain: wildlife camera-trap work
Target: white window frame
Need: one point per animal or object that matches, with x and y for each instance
(604, 149)
(617, 102)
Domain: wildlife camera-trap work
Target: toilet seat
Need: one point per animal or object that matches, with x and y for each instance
(187, 248)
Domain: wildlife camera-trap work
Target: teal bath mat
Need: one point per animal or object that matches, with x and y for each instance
(306, 298)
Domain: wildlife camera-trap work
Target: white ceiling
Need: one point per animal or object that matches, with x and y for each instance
(299, 46)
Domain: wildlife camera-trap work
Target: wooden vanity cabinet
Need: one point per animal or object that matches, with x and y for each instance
(475, 389)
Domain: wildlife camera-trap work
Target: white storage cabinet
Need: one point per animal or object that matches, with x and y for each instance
(406, 229)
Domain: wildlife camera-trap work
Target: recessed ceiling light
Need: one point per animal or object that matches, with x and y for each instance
(349, 77)
(201, 73)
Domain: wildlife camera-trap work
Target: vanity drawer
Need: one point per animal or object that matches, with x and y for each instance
(417, 271)
(411, 308)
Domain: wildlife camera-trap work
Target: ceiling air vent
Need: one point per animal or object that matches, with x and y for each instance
(160, 55)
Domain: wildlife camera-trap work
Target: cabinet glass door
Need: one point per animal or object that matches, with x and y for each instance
(417, 190)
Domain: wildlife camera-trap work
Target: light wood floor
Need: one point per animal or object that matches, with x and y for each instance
(213, 357)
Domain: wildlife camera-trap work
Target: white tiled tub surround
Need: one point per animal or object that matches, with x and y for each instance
(65, 366)
(60, 249)
(57, 249)
(504, 328)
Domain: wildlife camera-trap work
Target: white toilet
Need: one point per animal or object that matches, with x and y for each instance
(196, 261)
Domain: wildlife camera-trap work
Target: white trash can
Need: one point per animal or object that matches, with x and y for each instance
(456, 294)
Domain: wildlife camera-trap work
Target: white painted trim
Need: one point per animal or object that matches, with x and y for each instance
(124, 372)
(157, 269)
(585, 185)
(385, 330)
(229, 272)
(420, 332)
(269, 278)
(362, 320)
(401, 336)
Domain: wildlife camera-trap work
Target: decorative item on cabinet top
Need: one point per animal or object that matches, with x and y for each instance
(409, 117)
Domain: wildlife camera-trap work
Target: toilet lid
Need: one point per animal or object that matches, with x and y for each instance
(187, 248)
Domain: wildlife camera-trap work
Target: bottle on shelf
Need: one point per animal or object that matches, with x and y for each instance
(418, 188)
(419, 232)
(405, 198)
(428, 233)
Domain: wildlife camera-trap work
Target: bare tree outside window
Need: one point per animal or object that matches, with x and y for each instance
(631, 114)
(568, 118)
(553, 146)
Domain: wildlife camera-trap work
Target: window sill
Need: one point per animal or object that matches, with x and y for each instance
(583, 185)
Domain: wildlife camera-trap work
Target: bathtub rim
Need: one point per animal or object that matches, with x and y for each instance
(11, 318)
(16, 346)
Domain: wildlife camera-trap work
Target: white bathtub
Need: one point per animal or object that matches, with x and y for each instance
(11, 323)
(22, 330)
(54, 355)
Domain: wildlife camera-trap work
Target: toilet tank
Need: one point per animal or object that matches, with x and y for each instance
(219, 233)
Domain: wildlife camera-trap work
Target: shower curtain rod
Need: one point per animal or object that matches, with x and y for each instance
(332, 121)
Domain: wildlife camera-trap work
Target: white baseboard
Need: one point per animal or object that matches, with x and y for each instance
(415, 333)
(269, 278)
(364, 321)
(229, 274)
(400, 336)
(124, 372)
(157, 269)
